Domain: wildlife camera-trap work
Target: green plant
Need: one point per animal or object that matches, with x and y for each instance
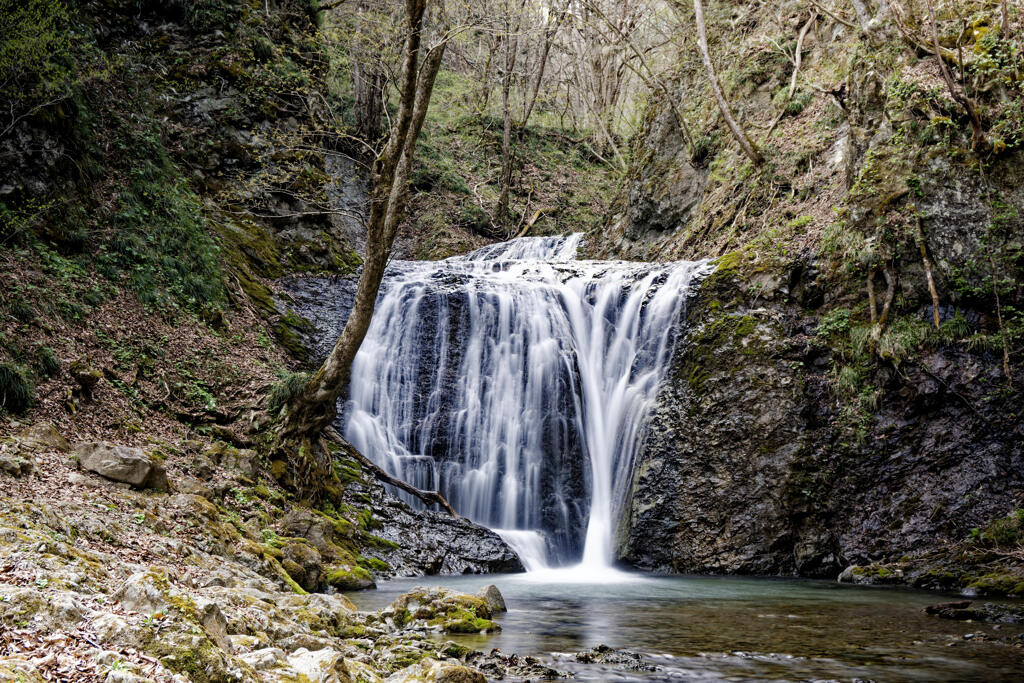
(289, 384)
(16, 391)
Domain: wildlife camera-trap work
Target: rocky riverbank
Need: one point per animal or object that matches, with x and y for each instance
(124, 564)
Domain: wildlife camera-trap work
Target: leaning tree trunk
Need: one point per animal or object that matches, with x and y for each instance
(314, 408)
(723, 105)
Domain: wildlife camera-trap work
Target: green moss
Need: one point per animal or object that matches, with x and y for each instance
(373, 564)
(462, 620)
(348, 578)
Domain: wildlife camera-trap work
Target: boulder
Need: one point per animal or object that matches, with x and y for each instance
(438, 672)
(321, 666)
(493, 597)
(43, 437)
(144, 592)
(122, 463)
(214, 621)
(16, 465)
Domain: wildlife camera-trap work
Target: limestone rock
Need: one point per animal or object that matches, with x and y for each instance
(213, 620)
(321, 666)
(44, 437)
(437, 672)
(16, 465)
(122, 463)
(266, 658)
(494, 598)
(144, 592)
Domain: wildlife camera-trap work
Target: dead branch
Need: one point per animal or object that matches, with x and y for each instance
(961, 99)
(928, 270)
(534, 218)
(716, 88)
(834, 16)
(796, 69)
(428, 497)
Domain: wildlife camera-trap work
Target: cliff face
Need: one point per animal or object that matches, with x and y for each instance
(806, 426)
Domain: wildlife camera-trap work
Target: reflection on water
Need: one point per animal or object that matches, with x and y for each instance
(709, 628)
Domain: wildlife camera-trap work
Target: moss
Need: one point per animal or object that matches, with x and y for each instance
(462, 620)
(998, 584)
(348, 578)
(373, 564)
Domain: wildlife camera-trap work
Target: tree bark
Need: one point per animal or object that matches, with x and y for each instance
(511, 54)
(928, 273)
(723, 105)
(315, 406)
(549, 38)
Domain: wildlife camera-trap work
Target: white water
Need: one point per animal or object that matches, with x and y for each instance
(529, 545)
(517, 381)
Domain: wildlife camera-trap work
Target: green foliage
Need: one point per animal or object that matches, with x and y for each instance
(288, 387)
(205, 16)
(47, 361)
(16, 391)
(36, 59)
(1006, 532)
(834, 323)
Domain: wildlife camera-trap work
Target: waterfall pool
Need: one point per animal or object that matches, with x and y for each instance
(734, 629)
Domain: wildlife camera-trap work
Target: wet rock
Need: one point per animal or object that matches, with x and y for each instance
(989, 612)
(437, 672)
(122, 463)
(493, 597)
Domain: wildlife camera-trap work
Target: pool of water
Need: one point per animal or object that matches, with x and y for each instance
(737, 629)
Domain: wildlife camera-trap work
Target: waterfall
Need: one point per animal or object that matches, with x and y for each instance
(516, 380)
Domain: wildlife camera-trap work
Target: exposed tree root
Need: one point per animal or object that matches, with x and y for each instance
(428, 497)
(928, 272)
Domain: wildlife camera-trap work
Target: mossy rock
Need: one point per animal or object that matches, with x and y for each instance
(349, 578)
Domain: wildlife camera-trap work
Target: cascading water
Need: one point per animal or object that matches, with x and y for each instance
(516, 380)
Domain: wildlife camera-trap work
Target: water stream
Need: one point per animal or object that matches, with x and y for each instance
(735, 629)
(516, 380)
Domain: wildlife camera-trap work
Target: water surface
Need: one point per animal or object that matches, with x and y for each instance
(711, 628)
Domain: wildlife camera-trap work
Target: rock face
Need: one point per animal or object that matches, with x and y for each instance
(436, 543)
(122, 463)
(665, 185)
(746, 469)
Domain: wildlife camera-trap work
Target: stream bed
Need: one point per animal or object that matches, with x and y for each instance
(735, 629)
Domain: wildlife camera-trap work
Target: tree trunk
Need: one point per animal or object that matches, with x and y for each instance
(723, 105)
(549, 38)
(511, 54)
(315, 406)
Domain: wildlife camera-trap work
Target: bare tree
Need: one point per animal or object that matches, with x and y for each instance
(315, 406)
(723, 105)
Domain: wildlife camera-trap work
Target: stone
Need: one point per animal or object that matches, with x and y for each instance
(213, 620)
(437, 672)
(320, 666)
(144, 592)
(86, 376)
(494, 598)
(16, 465)
(122, 463)
(267, 658)
(109, 627)
(304, 564)
(44, 437)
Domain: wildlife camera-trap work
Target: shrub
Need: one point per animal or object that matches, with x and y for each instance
(16, 391)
